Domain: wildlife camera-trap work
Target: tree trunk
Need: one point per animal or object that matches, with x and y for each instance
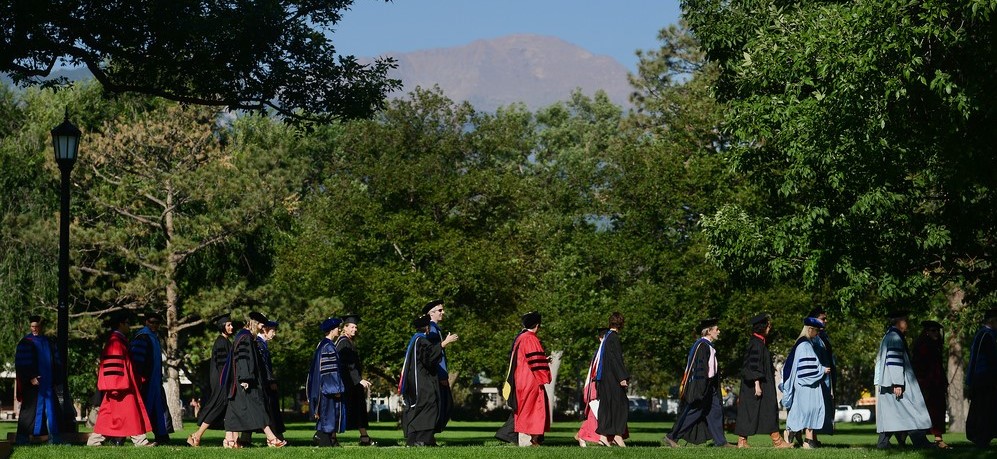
(555, 365)
(172, 323)
(958, 407)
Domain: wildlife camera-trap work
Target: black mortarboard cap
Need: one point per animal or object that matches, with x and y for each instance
(221, 320)
(271, 324)
(531, 319)
(259, 317)
(761, 318)
(430, 305)
(351, 319)
(931, 324)
(421, 322)
(707, 323)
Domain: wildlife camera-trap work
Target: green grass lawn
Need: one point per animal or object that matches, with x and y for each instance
(475, 440)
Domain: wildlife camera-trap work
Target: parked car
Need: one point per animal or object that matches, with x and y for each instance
(845, 413)
(639, 404)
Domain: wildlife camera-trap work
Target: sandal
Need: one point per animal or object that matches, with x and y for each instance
(193, 441)
(232, 444)
(276, 443)
(366, 441)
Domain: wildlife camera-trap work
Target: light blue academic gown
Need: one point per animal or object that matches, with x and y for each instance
(805, 392)
(893, 368)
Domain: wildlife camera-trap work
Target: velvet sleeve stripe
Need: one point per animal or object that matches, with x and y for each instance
(113, 373)
(808, 374)
(536, 361)
(807, 359)
(534, 354)
(806, 367)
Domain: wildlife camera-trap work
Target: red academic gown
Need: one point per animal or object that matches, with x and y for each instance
(122, 412)
(532, 372)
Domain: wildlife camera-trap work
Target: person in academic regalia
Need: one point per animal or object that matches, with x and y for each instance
(900, 408)
(325, 387)
(981, 381)
(247, 407)
(825, 354)
(803, 390)
(356, 385)
(434, 309)
(758, 407)
(612, 379)
(929, 368)
(531, 373)
(37, 364)
(586, 433)
(122, 412)
(263, 339)
(419, 385)
(700, 412)
(147, 358)
(212, 415)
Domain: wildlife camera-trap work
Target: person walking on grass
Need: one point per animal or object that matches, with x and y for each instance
(758, 408)
(247, 408)
(212, 415)
(530, 373)
(981, 381)
(325, 387)
(612, 381)
(900, 408)
(929, 368)
(700, 412)
(147, 357)
(356, 385)
(803, 392)
(122, 412)
(36, 365)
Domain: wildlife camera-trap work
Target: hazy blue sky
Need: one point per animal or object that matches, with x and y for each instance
(613, 27)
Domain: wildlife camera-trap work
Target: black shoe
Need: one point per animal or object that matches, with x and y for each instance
(366, 441)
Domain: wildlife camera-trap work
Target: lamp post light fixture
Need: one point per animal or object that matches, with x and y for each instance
(66, 140)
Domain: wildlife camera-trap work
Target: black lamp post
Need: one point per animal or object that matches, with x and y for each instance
(66, 140)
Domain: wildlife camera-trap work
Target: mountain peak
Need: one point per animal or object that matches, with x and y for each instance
(537, 70)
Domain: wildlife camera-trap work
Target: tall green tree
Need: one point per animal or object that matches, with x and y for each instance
(866, 127)
(270, 55)
(172, 199)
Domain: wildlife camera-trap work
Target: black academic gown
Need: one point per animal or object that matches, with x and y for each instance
(421, 391)
(276, 421)
(698, 395)
(982, 382)
(356, 395)
(213, 406)
(757, 415)
(247, 408)
(613, 403)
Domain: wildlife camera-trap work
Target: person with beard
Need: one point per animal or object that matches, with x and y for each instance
(147, 358)
(36, 365)
(758, 407)
(531, 372)
(419, 384)
(929, 368)
(981, 381)
(612, 380)
(356, 386)
(325, 387)
(212, 415)
(247, 407)
(434, 310)
(900, 408)
(700, 413)
(122, 412)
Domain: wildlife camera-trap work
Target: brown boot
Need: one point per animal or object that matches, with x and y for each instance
(742, 442)
(778, 442)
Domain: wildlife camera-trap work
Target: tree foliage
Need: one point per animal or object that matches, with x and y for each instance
(275, 54)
